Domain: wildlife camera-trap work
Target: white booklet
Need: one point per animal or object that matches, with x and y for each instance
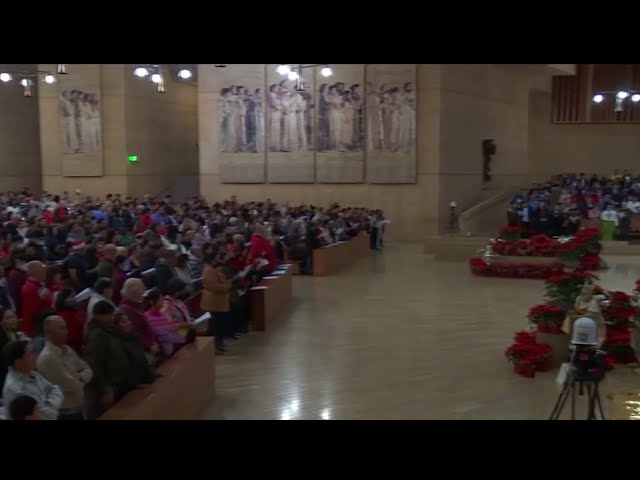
(82, 296)
(242, 273)
(269, 278)
(149, 272)
(202, 318)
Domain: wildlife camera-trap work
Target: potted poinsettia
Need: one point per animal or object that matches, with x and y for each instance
(527, 355)
(548, 321)
(547, 318)
(510, 232)
(620, 314)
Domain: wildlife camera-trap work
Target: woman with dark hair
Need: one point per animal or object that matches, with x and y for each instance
(142, 373)
(73, 317)
(176, 311)
(133, 260)
(164, 331)
(8, 333)
(119, 277)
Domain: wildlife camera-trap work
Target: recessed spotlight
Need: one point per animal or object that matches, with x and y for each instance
(48, 78)
(598, 98)
(185, 74)
(5, 77)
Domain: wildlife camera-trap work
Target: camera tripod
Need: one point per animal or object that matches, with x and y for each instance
(572, 384)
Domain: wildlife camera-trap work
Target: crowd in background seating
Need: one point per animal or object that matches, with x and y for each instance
(141, 258)
(568, 202)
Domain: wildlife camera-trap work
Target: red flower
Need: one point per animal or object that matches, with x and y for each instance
(510, 229)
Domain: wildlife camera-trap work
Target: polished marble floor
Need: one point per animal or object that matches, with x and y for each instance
(397, 336)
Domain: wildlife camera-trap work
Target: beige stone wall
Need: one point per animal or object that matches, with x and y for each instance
(588, 148)
(111, 175)
(411, 208)
(162, 129)
(481, 102)
(19, 136)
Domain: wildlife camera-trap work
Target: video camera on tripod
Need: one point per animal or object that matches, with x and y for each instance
(585, 370)
(587, 362)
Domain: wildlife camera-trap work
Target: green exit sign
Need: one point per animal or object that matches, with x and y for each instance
(132, 158)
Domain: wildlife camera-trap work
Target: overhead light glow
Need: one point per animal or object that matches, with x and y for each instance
(25, 82)
(292, 76)
(156, 78)
(326, 72)
(283, 69)
(48, 78)
(5, 77)
(598, 98)
(185, 74)
(141, 72)
(635, 97)
(622, 95)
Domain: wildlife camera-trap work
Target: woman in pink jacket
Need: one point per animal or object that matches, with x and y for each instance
(164, 330)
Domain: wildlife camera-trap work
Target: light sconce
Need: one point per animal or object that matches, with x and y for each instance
(619, 96)
(27, 79)
(27, 83)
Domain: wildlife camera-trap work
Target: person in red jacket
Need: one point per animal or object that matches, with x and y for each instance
(236, 258)
(260, 249)
(35, 297)
(73, 318)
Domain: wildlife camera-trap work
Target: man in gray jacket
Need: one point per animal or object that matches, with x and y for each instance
(22, 379)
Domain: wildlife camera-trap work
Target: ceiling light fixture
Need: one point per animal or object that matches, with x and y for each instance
(27, 79)
(185, 74)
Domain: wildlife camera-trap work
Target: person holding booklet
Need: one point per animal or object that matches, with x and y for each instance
(177, 312)
(216, 299)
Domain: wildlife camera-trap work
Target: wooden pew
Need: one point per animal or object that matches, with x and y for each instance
(333, 258)
(295, 265)
(186, 387)
(270, 297)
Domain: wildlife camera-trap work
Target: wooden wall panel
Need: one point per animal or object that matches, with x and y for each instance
(572, 94)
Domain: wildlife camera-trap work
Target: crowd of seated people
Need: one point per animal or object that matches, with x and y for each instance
(568, 202)
(92, 293)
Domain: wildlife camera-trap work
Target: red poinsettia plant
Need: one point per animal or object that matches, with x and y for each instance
(564, 287)
(585, 242)
(547, 318)
(481, 267)
(527, 355)
(510, 232)
(581, 250)
(620, 310)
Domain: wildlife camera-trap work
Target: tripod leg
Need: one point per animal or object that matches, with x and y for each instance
(598, 399)
(591, 406)
(560, 403)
